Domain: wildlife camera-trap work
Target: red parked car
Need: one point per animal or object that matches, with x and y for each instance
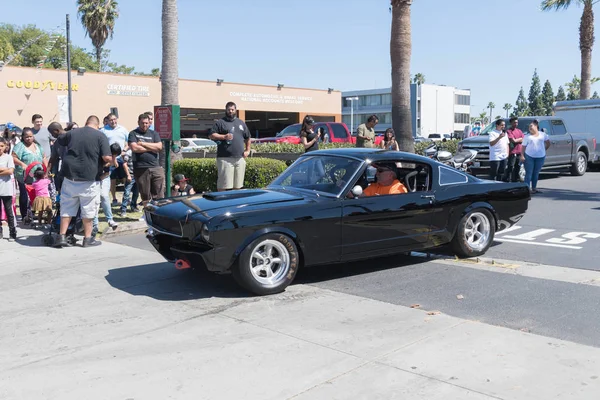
(335, 132)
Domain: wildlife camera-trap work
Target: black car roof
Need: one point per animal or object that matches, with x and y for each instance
(368, 154)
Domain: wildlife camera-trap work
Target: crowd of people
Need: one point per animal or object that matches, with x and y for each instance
(511, 148)
(75, 170)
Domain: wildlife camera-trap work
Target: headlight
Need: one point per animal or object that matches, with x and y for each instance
(205, 233)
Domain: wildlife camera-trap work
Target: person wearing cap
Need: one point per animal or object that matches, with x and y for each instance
(181, 187)
(308, 136)
(387, 181)
(365, 133)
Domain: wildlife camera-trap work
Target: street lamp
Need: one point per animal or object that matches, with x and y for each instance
(352, 100)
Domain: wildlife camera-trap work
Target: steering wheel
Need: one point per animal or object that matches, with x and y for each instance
(334, 178)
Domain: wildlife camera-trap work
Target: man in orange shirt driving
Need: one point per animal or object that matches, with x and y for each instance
(387, 182)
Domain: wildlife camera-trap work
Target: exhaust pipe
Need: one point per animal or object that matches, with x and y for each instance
(182, 264)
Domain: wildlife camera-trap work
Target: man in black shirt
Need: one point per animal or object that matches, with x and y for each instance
(233, 146)
(86, 158)
(149, 175)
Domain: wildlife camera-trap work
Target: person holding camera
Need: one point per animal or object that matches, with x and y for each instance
(308, 137)
(499, 151)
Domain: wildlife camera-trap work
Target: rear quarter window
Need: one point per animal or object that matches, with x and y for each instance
(448, 176)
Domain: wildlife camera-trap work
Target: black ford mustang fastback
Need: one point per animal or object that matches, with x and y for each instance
(315, 213)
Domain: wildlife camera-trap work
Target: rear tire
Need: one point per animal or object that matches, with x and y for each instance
(580, 165)
(267, 265)
(474, 234)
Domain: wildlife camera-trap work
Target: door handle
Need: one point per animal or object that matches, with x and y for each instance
(428, 196)
(568, 141)
(554, 142)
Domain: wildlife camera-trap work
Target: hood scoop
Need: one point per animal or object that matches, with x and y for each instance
(215, 196)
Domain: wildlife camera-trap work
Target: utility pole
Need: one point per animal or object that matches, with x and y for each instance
(70, 95)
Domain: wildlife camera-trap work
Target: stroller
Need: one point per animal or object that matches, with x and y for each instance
(29, 174)
(76, 226)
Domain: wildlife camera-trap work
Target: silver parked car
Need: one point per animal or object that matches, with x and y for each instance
(195, 144)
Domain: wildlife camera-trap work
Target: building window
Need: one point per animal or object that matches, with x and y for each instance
(461, 118)
(386, 99)
(462, 99)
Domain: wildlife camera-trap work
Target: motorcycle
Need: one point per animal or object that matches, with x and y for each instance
(463, 160)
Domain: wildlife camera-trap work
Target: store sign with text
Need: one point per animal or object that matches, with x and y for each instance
(40, 85)
(270, 98)
(128, 90)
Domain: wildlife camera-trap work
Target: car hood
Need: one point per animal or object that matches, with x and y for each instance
(476, 141)
(215, 203)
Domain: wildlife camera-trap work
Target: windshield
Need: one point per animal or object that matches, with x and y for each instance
(326, 174)
(292, 130)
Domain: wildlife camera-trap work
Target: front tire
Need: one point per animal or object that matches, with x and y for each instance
(267, 265)
(475, 234)
(580, 165)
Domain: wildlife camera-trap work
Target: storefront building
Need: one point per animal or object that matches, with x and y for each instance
(266, 109)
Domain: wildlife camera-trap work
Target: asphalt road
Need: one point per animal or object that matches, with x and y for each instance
(560, 228)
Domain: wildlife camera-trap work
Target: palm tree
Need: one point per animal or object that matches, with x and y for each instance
(400, 52)
(483, 117)
(98, 18)
(507, 107)
(586, 38)
(419, 79)
(491, 106)
(169, 73)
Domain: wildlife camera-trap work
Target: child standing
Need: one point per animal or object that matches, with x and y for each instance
(7, 189)
(42, 205)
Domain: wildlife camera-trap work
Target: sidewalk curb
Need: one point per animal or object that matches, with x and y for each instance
(126, 229)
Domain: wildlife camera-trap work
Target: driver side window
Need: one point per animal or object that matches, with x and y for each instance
(416, 177)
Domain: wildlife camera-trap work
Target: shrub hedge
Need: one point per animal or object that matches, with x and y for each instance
(202, 172)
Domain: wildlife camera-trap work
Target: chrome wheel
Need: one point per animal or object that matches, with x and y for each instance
(477, 231)
(269, 262)
(581, 164)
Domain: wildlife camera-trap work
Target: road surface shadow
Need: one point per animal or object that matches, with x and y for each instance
(323, 273)
(568, 195)
(162, 281)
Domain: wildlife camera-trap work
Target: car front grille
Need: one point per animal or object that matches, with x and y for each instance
(165, 224)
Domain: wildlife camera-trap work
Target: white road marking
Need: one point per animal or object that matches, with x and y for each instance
(574, 238)
(531, 236)
(563, 246)
(511, 229)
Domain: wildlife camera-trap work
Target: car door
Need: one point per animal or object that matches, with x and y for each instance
(561, 142)
(380, 225)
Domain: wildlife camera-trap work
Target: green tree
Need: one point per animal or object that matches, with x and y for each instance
(400, 53)
(560, 94)
(6, 48)
(507, 107)
(98, 18)
(520, 105)
(547, 98)
(419, 78)
(491, 107)
(483, 117)
(574, 87)
(586, 38)
(595, 95)
(535, 104)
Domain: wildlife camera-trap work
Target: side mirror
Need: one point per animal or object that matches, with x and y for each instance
(357, 191)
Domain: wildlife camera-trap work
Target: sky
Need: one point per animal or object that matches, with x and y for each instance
(489, 46)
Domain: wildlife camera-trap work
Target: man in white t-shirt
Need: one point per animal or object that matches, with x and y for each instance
(499, 150)
(115, 134)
